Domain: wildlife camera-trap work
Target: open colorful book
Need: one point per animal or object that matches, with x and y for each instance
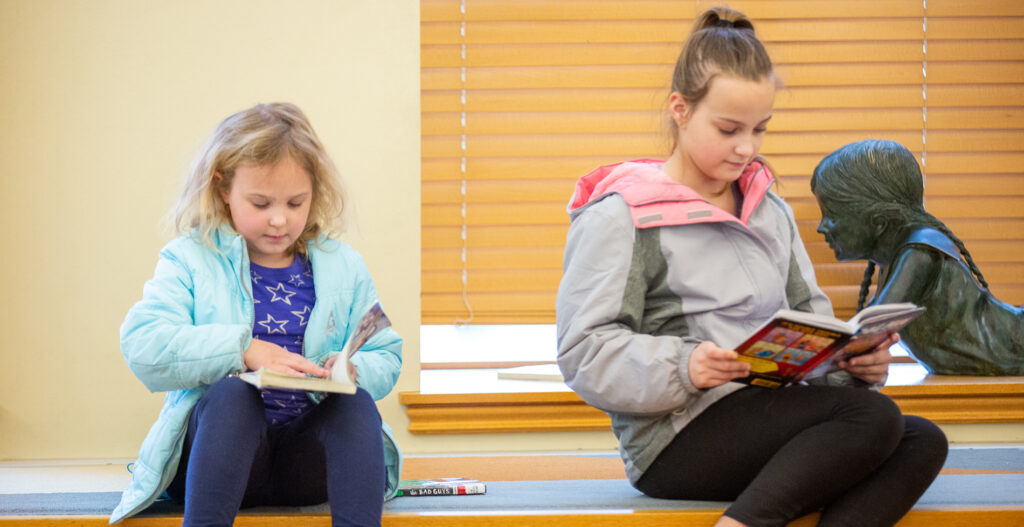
(338, 381)
(795, 345)
(440, 487)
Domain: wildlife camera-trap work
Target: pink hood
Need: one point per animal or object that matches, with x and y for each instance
(656, 200)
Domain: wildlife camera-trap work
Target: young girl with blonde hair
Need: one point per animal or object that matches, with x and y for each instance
(255, 281)
(668, 265)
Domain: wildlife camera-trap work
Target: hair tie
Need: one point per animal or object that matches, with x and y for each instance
(725, 23)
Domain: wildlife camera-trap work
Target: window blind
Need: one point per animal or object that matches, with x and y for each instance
(522, 97)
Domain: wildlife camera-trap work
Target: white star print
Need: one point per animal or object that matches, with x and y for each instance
(295, 280)
(302, 315)
(256, 278)
(270, 320)
(286, 296)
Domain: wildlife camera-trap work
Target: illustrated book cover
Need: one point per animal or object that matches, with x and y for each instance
(795, 345)
(338, 381)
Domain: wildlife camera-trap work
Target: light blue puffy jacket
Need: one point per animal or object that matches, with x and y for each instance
(195, 320)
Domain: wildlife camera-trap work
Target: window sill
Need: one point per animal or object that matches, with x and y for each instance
(485, 404)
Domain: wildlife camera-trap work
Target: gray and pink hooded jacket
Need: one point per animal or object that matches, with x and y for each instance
(651, 269)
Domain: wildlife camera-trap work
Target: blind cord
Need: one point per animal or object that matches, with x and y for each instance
(462, 168)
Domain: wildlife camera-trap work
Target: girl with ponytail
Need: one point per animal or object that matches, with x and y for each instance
(671, 264)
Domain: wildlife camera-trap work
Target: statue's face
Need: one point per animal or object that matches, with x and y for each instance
(847, 232)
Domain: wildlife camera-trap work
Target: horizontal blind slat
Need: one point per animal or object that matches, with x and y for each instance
(623, 76)
(443, 237)
(585, 31)
(665, 53)
(536, 10)
(789, 168)
(450, 123)
(605, 99)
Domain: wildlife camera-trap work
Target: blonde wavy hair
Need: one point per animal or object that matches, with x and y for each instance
(261, 135)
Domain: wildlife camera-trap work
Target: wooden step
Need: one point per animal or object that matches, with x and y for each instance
(932, 517)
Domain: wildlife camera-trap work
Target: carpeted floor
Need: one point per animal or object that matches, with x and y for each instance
(972, 477)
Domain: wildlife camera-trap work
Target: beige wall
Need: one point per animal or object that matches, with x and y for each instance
(102, 104)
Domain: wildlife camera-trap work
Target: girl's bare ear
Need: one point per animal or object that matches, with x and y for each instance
(678, 109)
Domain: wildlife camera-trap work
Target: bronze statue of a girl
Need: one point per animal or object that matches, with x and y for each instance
(872, 207)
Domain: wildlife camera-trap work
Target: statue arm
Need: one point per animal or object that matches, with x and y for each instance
(913, 274)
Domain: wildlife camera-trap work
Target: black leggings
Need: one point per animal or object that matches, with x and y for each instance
(780, 454)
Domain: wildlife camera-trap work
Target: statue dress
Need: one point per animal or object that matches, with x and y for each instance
(965, 330)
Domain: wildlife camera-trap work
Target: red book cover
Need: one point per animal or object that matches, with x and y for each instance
(783, 351)
(795, 345)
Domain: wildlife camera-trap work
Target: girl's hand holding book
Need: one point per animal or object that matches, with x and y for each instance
(872, 367)
(273, 357)
(712, 366)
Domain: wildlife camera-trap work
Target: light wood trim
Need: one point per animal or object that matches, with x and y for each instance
(942, 400)
(500, 412)
(996, 516)
(946, 517)
(945, 402)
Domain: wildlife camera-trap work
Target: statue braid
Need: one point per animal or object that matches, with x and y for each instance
(963, 250)
(865, 285)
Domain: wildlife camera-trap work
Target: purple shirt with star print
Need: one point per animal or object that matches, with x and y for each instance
(282, 300)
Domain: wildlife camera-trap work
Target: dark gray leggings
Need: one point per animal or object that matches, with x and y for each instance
(780, 454)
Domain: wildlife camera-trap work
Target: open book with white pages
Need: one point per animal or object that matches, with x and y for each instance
(796, 346)
(338, 381)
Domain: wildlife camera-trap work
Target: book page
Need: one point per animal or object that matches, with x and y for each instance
(339, 380)
(816, 319)
(264, 378)
(882, 313)
(372, 321)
